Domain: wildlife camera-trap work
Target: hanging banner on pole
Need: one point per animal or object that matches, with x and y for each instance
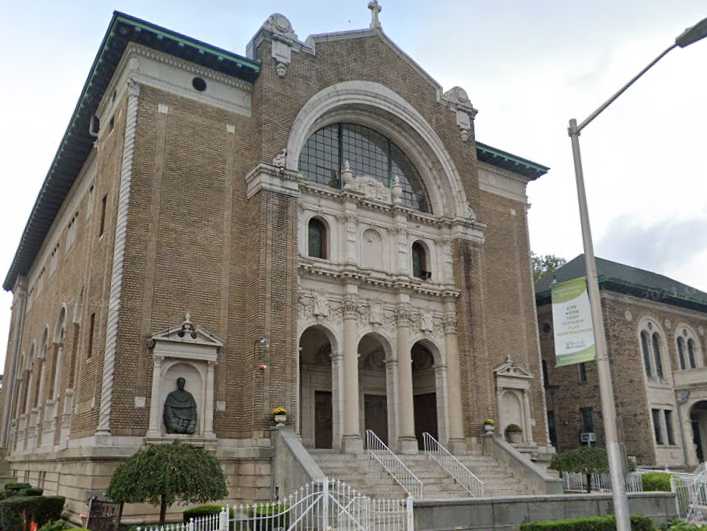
(572, 323)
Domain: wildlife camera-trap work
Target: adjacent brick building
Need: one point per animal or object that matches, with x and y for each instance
(313, 226)
(655, 329)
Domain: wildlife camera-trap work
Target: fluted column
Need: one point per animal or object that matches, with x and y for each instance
(352, 435)
(407, 443)
(454, 395)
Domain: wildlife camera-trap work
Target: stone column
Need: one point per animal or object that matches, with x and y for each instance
(407, 443)
(337, 389)
(154, 428)
(352, 435)
(455, 430)
(209, 401)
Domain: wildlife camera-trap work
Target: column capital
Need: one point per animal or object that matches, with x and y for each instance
(404, 315)
(450, 323)
(350, 307)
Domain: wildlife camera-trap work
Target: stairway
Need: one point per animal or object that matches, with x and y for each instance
(371, 479)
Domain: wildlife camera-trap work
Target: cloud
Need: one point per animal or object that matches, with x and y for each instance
(661, 246)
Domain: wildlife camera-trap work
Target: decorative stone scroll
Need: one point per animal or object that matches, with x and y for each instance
(186, 356)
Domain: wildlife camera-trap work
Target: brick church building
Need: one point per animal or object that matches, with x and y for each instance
(655, 328)
(312, 225)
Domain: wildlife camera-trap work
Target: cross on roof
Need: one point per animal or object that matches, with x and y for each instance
(375, 8)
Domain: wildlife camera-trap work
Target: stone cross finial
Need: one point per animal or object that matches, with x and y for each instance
(375, 8)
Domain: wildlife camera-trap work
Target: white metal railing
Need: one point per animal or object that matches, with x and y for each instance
(452, 465)
(377, 450)
(324, 505)
(690, 493)
(601, 482)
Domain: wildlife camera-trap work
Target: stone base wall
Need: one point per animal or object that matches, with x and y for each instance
(79, 477)
(507, 514)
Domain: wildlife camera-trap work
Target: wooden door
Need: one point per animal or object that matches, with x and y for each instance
(376, 415)
(323, 419)
(425, 416)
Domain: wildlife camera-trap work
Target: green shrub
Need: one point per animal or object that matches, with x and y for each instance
(684, 526)
(31, 491)
(16, 487)
(269, 509)
(588, 523)
(656, 481)
(41, 509)
(56, 525)
(78, 529)
(202, 510)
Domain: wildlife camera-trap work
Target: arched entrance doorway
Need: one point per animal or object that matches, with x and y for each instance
(424, 391)
(698, 421)
(316, 422)
(373, 385)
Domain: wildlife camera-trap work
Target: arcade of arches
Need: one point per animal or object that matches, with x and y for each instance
(322, 391)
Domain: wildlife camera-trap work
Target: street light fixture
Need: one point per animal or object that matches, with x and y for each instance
(606, 390)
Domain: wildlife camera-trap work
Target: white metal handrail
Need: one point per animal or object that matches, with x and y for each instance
(452, 465)
(392, 464)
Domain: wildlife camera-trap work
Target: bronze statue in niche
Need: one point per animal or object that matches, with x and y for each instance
(180, 410)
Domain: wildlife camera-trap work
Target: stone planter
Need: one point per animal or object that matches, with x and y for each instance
(280, 419)
(489, 428)
(515, 437)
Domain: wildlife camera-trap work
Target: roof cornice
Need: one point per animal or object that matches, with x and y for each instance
(509, 161)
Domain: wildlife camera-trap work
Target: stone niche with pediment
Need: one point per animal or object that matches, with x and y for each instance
(512, 399)
(185, 352)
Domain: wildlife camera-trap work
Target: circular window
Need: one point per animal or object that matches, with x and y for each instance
(198, 84)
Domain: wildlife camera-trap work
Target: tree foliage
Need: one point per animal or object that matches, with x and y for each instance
(544, 263)
(163, 474)
(584, 460)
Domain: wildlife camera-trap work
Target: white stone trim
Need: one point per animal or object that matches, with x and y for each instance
(374, 95)
(268, 177)
(116, 285)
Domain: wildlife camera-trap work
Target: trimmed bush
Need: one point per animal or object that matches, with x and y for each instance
(202, 510)
(269, 509)
(40, 509)
(56, 525)
(684, 526)
(588, 523)
(30, 492)
(16, 487)
(656, 482)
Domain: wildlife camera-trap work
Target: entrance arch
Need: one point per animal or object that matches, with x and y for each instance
(374, 396)
(698, 422)
(318, 423)
(429, 391)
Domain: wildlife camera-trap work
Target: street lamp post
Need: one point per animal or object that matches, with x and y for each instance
(606, 390)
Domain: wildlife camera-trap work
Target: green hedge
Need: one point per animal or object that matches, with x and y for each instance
(588, 523)
(656, 482)
(41, 509)
(56, 525)
(16, 487)
(203, 510)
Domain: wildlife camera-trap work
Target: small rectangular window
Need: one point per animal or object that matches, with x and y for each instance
(669, 426)
(546, 376)
(656, 426)
(102, 227)
(587, 419)
(91, 326)
(582, 368)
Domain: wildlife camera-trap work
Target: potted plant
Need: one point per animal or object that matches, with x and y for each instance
(489, 425)
(514, 434)
(279, 415)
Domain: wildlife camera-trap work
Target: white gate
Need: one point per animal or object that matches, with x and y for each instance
(323, 505)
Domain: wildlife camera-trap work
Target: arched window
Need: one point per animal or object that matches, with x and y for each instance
(691, 353)
(681, 353)
(317, 239)
(657, 356)
(419, 261)
(646, 350)
(368, 153)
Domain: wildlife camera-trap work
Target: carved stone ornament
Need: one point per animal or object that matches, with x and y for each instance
(280, 160)
(469, 212)
(279, 24)
(321, 306)
(509, 368)
(458, 101)
(426, 323)
(375, 8)
(376, 314)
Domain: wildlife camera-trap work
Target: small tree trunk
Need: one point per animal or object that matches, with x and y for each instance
(163, 509)
(589, 483)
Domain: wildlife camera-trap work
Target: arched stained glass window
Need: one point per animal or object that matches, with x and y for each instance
(691, 353)
(681, 353)
(646, 351)
(317, 239)
(656, 354)
(369, 153)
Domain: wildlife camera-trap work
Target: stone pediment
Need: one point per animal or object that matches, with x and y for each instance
(509, 369)
(186, 341)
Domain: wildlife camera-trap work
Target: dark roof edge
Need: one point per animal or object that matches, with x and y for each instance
(636, 290)
(509, 161)
(76, 140)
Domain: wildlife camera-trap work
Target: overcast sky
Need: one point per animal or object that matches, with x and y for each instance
(528, 66)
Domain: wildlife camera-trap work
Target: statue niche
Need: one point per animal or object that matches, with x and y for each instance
(180, 413)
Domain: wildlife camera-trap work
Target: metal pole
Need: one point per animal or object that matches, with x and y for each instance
(606, 390)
